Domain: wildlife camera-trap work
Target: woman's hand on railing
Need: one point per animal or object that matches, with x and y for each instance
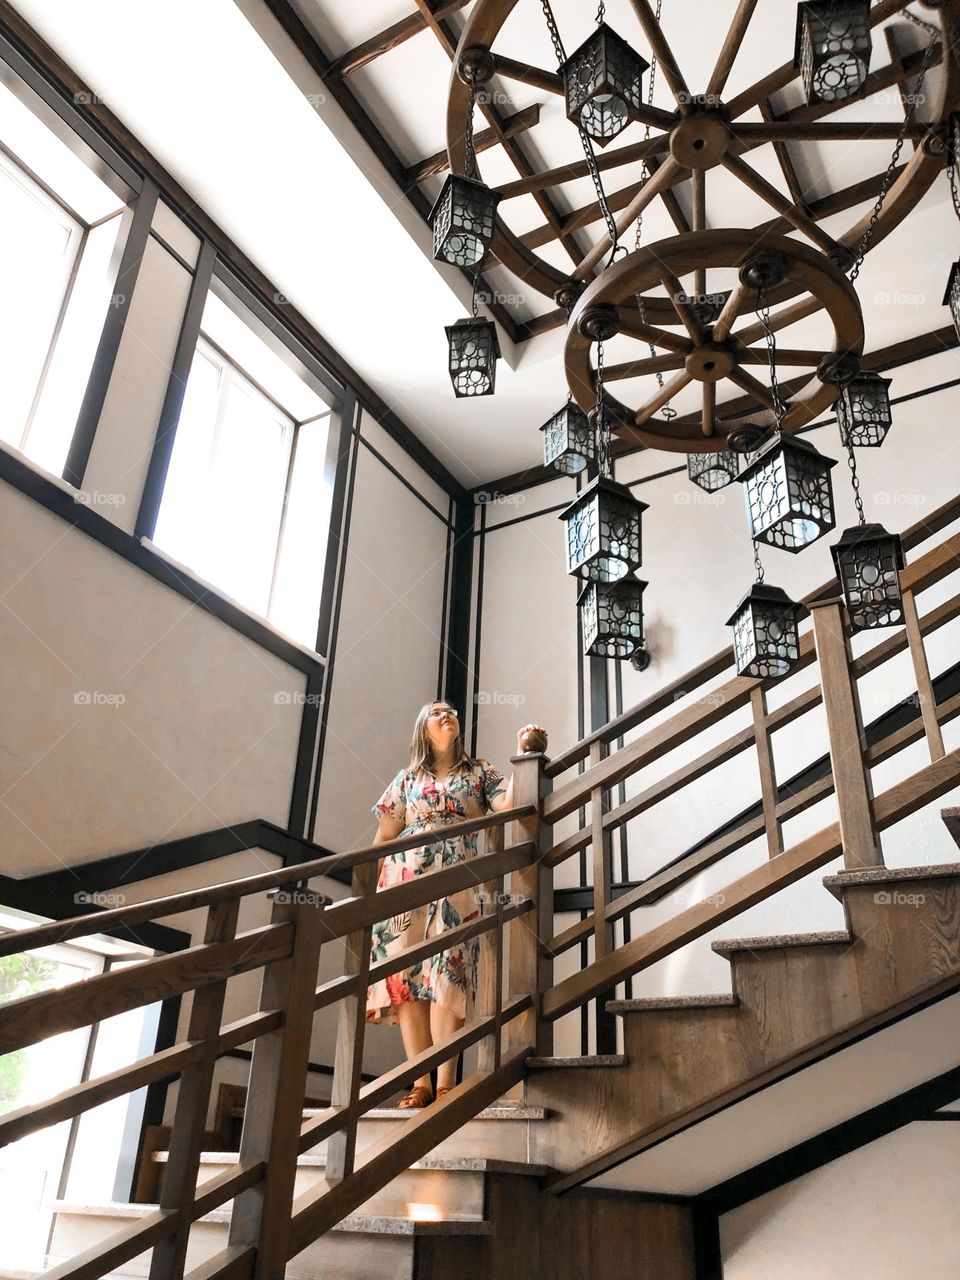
(532, 737)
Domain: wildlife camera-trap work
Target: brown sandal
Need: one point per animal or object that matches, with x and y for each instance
(418, 1097)
(442, 1090)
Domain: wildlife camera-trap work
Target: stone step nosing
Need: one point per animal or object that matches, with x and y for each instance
(787, 941)
(653, 1004)
(401, 1113)
(870, 876)
(585, 1060)
(431, 1164)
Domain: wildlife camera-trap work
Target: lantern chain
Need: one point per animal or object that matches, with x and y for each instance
(908, 118)
(603, 444)
(471, 155)
(476, 294)
(763, 315)
(855, 482)
(601, 12)
(586, 143)
(954, 196)
(758, 564)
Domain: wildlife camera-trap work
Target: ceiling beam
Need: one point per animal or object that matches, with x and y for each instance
(388, 39)
(483, 141)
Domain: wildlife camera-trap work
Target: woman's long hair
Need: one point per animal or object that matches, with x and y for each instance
(421, 752)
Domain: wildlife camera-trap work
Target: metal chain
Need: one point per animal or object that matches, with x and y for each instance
(471, 155)
(763, 315)
(603, 444)
(908, 118)
(757, 563)
(855, 482)
(476, 294)
(601, 12)
(952, 179)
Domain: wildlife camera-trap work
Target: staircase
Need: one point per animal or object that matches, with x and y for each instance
(511, 1174)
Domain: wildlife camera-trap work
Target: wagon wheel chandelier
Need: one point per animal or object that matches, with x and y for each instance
(707, 131)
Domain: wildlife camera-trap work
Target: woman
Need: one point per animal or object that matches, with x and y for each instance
(441, 784)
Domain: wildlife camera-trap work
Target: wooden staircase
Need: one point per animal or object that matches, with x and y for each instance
(325, 1192)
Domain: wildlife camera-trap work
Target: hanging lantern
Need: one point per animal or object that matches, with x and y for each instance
(474, 350)
(568, 440)
(766, 633)
(603, 531)
(602, 82)
(789, 495)
(863, 410)
(868, 561)
(712, 471)
(463, 221)
(951, 298)
(833, 48)
(611, 617)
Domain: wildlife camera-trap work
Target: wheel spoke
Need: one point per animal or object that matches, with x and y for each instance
(747, 382)
(785, 355)
(779, 320)
(675, 292)
(549, 81)
(738, 27)
(634, 327)
(637, 368)
(731, 309)
(708, 421)
(666, 392)
(774, 130)
(665, 59)
(657, 182)
(768, 192)
(580, 169)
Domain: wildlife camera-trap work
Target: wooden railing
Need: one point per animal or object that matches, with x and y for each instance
(861, 815)
(267, 1227)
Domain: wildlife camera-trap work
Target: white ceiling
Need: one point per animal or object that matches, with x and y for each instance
(219, 94)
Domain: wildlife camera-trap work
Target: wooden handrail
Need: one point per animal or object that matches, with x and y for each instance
(45, 935)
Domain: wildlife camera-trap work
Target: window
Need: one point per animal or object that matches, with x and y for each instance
(246, 501)
(59, 225)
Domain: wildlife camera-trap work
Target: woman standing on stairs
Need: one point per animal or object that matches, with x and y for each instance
(440, 785)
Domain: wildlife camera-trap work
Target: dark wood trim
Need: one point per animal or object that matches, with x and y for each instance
(707, 1256)
(403, 479)
(136, 234)
(439, 162)
(444, 608)
(912, 1105)
(159, 465)
(388, 39)
(456, 637)
(477, 631)
(84, 518)
(39, 54)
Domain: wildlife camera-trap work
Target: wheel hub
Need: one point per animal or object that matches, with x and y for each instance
(700, 140)
(710, 361)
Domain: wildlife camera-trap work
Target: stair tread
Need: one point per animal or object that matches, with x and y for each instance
(721, 999)
(835, 938)
(585, 1060)
(404, 1113)
(889, 875)
(354, 1223)
(443, 1164)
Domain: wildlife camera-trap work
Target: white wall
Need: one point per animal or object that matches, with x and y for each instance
(887, 1210)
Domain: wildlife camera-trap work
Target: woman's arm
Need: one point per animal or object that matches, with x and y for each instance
(387, 829)
(505, 799)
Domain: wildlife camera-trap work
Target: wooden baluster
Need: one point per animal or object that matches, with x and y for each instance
(921, 671)
(490, 976)
(351, 1024)
(858, 831)
(768, 774)
(278, 1086)
(603, 935)
(529, 968)
(193, 1102)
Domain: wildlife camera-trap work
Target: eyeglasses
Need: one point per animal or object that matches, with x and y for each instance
(436, 715)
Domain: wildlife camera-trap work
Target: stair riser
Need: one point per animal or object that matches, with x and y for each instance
(495, 1139)
(905, 929)
(337, 1256)
(767, 984)
(454, 1192)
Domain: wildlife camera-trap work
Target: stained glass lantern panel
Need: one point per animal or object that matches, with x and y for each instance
(833, 48)
(603, 531)
(868, 561)
(611, 617)
(569, 443)
(712, 471)
(951, 298)
(602, 82)
(789, 494)
(766, 633)
(863, 411)
(474, 350)
(463, 221)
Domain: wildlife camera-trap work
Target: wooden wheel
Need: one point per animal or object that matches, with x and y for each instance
(703, 132)
(711, 353)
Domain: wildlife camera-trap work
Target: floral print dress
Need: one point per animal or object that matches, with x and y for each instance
(422, 801)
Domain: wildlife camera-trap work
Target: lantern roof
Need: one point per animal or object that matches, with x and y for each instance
(621, 582)
(601, 484)
(954, 272)
(452, 178)
(468, 322)
(763, 593)
(572, 408)
(867, 533)
(795, 443)
(815, 9)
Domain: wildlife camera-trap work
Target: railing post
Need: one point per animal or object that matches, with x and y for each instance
(273, 1113)
(848, 757)
(529, 967)
(351, 1024)
(921, 671)
(603, 935)
(768, 773)
(491, 965)
(179, 1186)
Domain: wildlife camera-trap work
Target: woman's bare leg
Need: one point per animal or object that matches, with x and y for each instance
(443, 1023)
(414, 1018)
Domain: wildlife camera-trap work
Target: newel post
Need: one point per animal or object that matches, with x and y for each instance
(848, 749)
(530, 969)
